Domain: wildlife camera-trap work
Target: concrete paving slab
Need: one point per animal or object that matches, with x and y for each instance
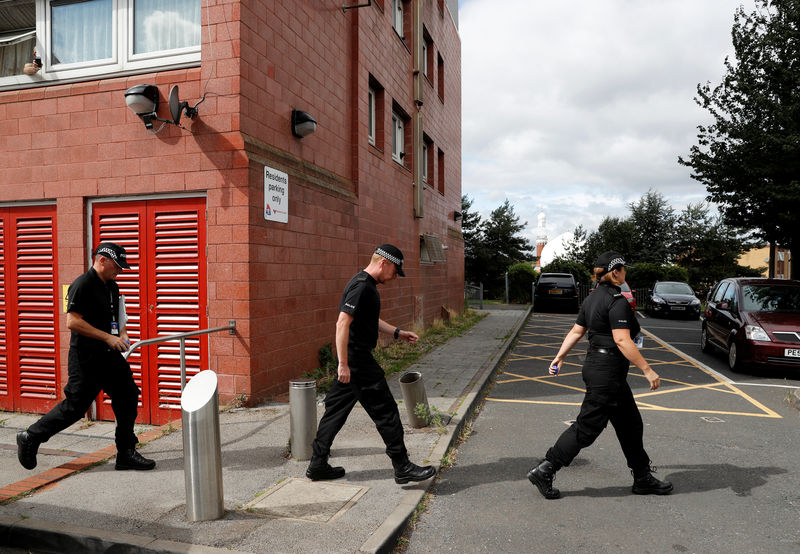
(320, 501)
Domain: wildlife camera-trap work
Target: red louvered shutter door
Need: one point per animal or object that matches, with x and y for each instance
(176, 253)
(30, 308)
(6, 398)
(124, 224)
(165, 293)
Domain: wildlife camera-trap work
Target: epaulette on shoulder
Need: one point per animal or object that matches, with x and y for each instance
(618, 295)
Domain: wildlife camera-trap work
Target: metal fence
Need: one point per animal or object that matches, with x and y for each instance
(473, 296)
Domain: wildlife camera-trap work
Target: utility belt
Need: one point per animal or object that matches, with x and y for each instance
(605, 349)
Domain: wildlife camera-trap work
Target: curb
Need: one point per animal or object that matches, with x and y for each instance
(384, 539)
(61, 537)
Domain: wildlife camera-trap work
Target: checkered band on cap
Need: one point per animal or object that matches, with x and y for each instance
(385, 254)
(614, 262)
(107, 252)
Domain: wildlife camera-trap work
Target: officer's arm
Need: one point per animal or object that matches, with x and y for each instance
(342, 335)
(622, 338)
(408, 336)
(575, 334)
(75, 322)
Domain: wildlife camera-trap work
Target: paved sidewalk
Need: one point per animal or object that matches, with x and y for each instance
(74, 501)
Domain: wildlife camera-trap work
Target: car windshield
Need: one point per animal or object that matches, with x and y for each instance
(556, 280)
(673, 288)
(771, 298)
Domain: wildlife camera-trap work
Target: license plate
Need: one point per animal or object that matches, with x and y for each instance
(678, 307)
(555, 291)
(792, 353)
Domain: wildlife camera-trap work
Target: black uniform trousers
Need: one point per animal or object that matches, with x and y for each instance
(88, 375)
(369, 387)
(608, 399)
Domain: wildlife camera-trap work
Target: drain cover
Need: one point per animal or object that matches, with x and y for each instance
(311, 501)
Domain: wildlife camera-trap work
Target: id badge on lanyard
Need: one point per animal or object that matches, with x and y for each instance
(114, 322)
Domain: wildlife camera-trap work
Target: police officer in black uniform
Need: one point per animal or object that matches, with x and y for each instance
(95, 363)
(612, 327)
(359, 377)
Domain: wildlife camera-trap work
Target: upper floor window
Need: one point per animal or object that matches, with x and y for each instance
(397, 16)
(371, 115)
(398, 138)
(86, 38)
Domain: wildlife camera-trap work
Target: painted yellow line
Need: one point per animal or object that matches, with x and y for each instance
(731, 387)
(711, 386)
(642, 406)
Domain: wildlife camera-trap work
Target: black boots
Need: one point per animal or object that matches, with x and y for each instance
(27, 447)
(320, 470)
(409, 471)
(647, 484)
(131, 459)
(542, 476)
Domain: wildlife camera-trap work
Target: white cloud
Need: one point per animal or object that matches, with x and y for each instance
(578, 107)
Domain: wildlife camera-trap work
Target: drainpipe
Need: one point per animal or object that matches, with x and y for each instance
(418, 88)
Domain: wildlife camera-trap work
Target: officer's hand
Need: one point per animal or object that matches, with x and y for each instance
(653, 378)
(117, 343)
(409, 336)
(555, 367)
(343, 373)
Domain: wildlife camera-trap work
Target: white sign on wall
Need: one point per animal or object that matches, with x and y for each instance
(276, 195)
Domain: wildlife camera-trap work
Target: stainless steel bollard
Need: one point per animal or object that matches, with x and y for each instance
(414, 393)
(202, 459)
(302, 417)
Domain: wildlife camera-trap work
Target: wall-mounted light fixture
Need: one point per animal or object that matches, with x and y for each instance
(457, 216)
(143, 101)
(302, 124)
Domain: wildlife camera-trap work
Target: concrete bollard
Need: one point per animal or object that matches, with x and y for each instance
(414, 393)
(202, 458)
(302, 417)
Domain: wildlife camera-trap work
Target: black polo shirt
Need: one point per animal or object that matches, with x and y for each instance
(605, 310)
(95, 301)
(361, 300)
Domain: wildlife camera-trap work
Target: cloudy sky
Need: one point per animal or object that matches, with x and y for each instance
(578, 107)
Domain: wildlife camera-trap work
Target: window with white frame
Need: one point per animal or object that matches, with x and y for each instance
(398, 129)
(397, 16)
(424, 162)
(371, 116)
(87, 38)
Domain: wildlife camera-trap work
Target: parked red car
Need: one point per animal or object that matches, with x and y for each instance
(756, 321)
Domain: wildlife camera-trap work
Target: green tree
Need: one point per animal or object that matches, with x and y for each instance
(749, 157)
(707, 248)
(613, 233)
(563, 265)
(653, 222)
(520, 282)
(474, 251)
(502, 245)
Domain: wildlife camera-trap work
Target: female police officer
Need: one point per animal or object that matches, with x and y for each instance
(612, 325)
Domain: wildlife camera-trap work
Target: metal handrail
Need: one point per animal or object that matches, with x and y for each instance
(231, 327)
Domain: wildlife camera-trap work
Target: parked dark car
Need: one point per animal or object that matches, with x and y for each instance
(754, 320)
(555, 290)
(673, 298)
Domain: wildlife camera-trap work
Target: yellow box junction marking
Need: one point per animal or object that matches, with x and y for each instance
(718, 386)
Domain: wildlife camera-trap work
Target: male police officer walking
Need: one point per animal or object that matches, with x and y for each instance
(95, 362)
(360, 377)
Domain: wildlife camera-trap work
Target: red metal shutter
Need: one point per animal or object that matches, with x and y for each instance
(124, 224)
(165, 293)
(6, 399)
(176, 252)
(30, 328)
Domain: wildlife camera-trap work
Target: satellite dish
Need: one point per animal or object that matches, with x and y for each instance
(176, 106)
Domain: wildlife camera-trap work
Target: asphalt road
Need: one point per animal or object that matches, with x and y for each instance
(728, 446)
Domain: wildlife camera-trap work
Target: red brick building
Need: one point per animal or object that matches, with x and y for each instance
(188, 201)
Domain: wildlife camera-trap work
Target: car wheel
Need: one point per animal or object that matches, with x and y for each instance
(733, 357)
(705, 346)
